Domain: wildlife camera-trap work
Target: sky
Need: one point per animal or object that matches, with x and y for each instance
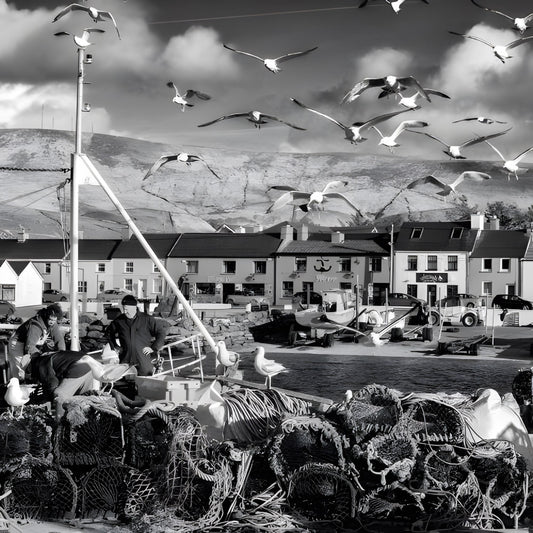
(182, 41)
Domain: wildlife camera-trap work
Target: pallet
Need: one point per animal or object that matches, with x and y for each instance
(470, 346)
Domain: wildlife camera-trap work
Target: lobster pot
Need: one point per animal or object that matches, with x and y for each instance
(40, 490)
(304, 439)
(90, 432)
(116, 490)
(322, 492)
(29, 435)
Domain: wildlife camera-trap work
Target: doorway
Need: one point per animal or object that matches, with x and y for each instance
(432, 294)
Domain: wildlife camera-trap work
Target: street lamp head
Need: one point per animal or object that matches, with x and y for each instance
(86, 108)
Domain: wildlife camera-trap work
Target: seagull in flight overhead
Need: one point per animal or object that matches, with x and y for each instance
(511, 165)
(500, 51)
(454, 150)
(410, 101)
(354, 132)
(519, 23)
(395, 4)
(96, 14)
(389, 84)
(190, 93)
(444, 188)
(390, 141)
(272, 64)
(83, 41)
(182, 157)
(483, 120)
(255, 117)
(267, 367)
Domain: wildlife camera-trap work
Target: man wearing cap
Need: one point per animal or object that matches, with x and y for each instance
(140, 336)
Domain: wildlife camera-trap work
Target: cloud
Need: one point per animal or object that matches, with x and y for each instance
(381, 62)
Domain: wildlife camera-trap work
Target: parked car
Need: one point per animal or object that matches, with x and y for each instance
(53, 295)
(511, 301)
(401, 299)
(7, 308)
(456, 315)
(245, 297)
(462, 299)
(112, 295)
(301, 297)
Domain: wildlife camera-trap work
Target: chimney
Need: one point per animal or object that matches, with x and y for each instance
(259, 228)
(22, 235)
(303, 233)
(494, 222)
(241, 229)
(126, 234)
(477, 220)
(337, 237)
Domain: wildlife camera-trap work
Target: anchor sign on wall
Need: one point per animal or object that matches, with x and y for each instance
(322, 268)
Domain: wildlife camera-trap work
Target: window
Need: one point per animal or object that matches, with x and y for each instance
(456, 233)
(157, 286)
(412, 290)
(510, 290)
(300, 264)
(191, 267)
(452, 290)
(345, 286)
(486, 288)
(432, 262)
(375, 264)
(452, 263)
(7, 292)
(100, 267)
(505, 265)
(345, 264)
(260, 267)
(287, 289)
(205, 288)
(155, 268)
(416, 233)
(48, 268)
(412, 262)
(229, 267)
(82, 286)
(486, 265)
(128, 267)
(128, 284)
(307, 286)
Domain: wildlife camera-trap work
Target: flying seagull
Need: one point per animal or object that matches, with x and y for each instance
(410, 101)
(390, 141)
(255, 117)
(454, 150)
(83, 41)
(395, 4)
(500, 51)
(96, 14)
(183, 100)
(354, 132)
(483, 120)
(272, 64)
(182, 157)
(519, 23)
(389, 84)
(444, 188)
(511, 165)
(267, 367)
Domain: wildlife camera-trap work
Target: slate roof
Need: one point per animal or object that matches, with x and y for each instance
(320, 247)
(436, 236)
(501, 243)
(161, 245)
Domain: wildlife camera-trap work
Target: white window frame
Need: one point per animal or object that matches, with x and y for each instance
(100, 268)
(483, 268)
(501, 264)
(128, 267)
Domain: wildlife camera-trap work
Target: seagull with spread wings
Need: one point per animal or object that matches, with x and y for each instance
(395, 4)
(410, 102)
(96, 14)
(255, 117)
(390, 140)
(353, 133)
(83, 41)
(511, 165)
(183, 100)
(454, 150)
(482, 120)
(389, 84)
(519, 23)
(182, 157)
(444, 188)
(499, 50)
(272, 64)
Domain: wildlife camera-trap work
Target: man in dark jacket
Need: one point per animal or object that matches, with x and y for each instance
(140, 336)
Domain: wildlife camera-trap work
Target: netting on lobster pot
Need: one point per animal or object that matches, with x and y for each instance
(40, 490)
(90, 432)
(321, 491)
(116, 490)
(304, 439)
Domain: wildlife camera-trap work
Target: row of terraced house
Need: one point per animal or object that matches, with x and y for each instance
(429, 260)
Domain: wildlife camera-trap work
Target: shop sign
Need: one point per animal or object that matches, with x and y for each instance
(432, 277)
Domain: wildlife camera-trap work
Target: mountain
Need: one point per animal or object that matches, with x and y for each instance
(190, 198)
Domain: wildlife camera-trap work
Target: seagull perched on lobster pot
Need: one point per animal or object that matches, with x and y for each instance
(389, 84)
(272, 64)
(16, 395)
(182, 157)
(444, 188)
(267, 367)
(83, 41)
(519, 23)
(96, 14)
(395, 4)
(255, 117)
(183, 100)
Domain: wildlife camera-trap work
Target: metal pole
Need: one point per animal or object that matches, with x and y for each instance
(391, 283)
(74, 213)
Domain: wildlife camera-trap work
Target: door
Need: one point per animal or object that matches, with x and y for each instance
(227, 289)
(141, 288)
(432, 294)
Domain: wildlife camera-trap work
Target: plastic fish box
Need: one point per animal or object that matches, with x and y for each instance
(171, 388)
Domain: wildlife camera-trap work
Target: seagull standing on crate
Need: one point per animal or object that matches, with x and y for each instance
(16, 396)
(228, 359)
(267, 367)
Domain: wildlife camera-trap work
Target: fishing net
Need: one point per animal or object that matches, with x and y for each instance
(321, 492)
(305, 439)
(90, 432)
(522, 386)
(40, 490)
